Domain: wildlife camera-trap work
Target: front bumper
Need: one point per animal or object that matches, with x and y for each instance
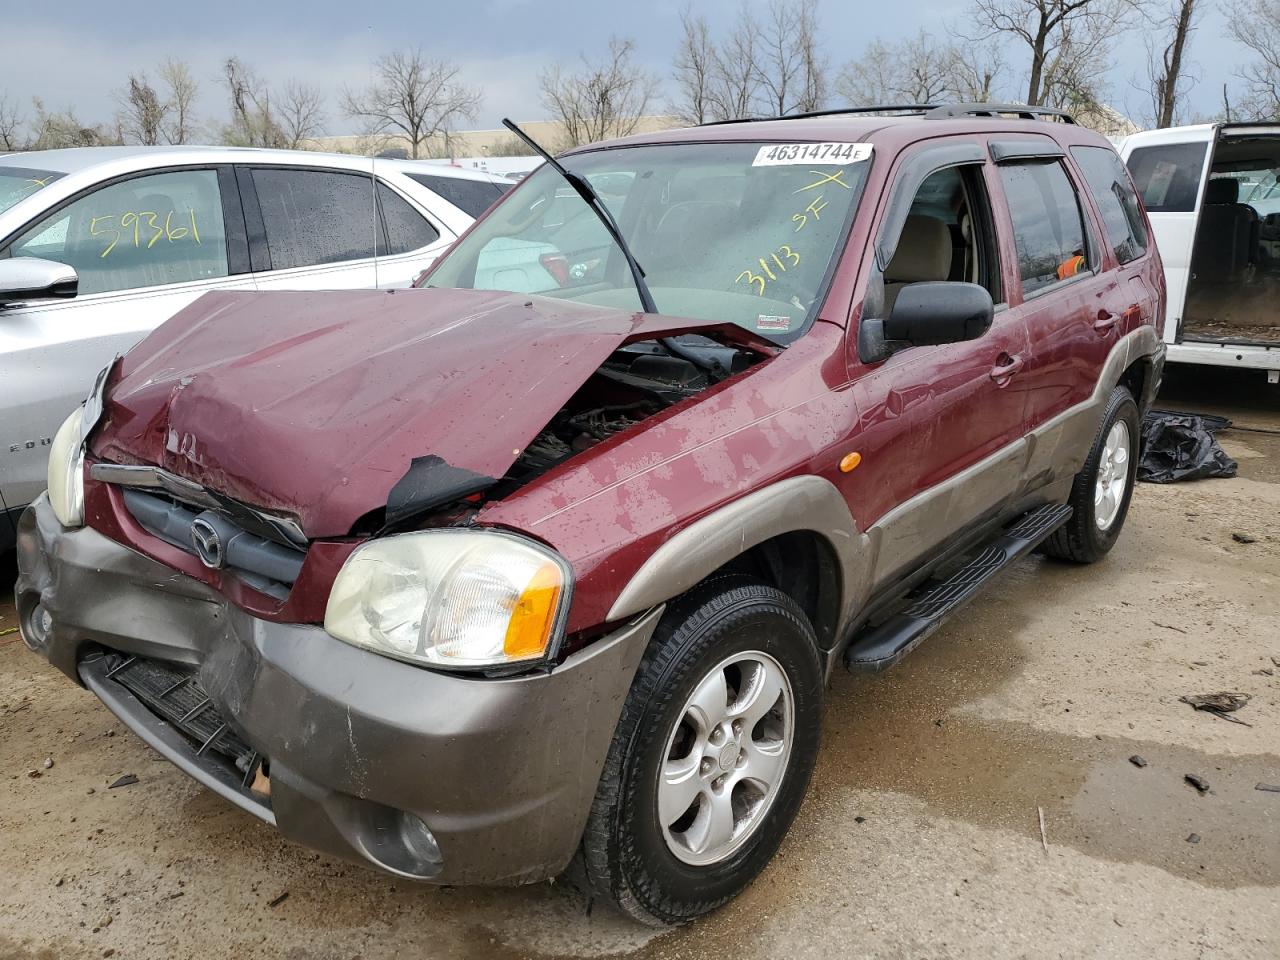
(366, 754)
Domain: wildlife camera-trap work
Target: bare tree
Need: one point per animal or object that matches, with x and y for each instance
(695, 70)
(1256, 25)
(918, 69)
(11, 121)
(182, 90)
(1167, 75)
(736, 77)
(253, 124)
(601, 100)
(142, 114)
(1075, 73)
(53, 130)
(975, 72)
(1066, 39)
(790, 68)
(300, 114)
(414, 98)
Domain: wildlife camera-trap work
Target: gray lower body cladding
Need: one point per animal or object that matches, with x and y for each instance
(425, 775)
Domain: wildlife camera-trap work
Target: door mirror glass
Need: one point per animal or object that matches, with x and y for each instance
(30, 278)
(939, 312)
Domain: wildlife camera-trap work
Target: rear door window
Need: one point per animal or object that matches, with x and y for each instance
(1116, 199)
(314, 217)
(407, 229)
(147, 231)
(1048, 230)
(1168, 176)
(472, 197)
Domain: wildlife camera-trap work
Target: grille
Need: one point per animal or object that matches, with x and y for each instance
(266, 565)
(173, 692)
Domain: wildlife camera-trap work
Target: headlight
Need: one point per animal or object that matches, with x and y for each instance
(66, 471)
(451, 598)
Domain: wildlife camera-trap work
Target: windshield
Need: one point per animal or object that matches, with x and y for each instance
(18, 183)
(739, 232)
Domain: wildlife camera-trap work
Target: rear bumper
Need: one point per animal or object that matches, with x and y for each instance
(366, 754)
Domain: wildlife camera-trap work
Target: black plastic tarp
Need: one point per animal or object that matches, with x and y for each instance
(1181, 446)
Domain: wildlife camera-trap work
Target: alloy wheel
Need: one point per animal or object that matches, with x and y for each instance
(726, 758)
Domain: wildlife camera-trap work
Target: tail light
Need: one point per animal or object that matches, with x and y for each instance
(557, 265)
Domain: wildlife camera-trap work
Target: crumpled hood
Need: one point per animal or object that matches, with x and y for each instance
(314, 404)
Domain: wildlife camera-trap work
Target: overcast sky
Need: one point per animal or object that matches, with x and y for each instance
(75, 53)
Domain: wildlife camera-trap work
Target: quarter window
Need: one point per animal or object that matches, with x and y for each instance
(472, 197)
(1121, 216)
(1048, 231)
(406, 228)
(314, 217)
(1168, 176)
(148, 231)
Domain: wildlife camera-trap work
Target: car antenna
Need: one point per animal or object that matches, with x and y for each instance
(588, 193)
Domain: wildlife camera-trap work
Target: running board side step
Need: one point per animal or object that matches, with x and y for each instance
(878, 648)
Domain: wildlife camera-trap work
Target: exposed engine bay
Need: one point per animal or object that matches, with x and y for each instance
(636, 382)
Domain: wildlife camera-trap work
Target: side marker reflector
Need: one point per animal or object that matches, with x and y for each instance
(850, 461)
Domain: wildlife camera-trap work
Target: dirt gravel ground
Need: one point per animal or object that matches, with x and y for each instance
(1035, 697)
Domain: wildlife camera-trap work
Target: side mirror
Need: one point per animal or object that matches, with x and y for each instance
(30, 278)
(930, 313)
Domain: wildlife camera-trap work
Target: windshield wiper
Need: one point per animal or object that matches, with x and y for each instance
(592, 200)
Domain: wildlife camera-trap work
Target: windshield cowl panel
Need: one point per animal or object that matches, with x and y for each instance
(736, 232)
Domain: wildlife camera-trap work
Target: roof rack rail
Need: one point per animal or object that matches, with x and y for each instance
(1020, 110)
(930, 111)
(920, 109)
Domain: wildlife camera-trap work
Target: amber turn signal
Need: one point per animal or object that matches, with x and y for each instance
(534, 614)
(850, 461)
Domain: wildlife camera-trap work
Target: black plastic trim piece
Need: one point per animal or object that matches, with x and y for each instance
(430, 482)
(233, 221)
(918, 167)
(259, 252)
(1040, 148)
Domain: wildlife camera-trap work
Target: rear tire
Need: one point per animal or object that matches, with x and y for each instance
(705, 775)
(1102, 490)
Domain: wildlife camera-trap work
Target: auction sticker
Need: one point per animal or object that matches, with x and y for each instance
(767, 322)
(780, 154)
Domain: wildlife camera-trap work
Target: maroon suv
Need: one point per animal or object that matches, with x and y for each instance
(552, 557)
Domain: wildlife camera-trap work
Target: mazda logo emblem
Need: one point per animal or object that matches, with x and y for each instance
(208, 544)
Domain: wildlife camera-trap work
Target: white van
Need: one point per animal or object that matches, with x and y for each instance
(1213, 194)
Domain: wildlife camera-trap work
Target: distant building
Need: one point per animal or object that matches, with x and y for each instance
(1108, 121)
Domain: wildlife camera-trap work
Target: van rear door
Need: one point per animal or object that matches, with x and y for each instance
(1169, 168)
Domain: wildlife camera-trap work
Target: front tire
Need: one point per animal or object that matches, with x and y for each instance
(712, 754)
(1102, 490)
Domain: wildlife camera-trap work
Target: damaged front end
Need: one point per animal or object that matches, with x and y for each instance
(262, 466)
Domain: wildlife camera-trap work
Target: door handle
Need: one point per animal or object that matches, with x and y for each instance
(1005, 370)
(1106, 320)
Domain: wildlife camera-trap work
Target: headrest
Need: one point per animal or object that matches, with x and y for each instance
(924, 251)
(1222, 190)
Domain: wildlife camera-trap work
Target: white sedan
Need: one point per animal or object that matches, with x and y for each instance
(149, 229)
